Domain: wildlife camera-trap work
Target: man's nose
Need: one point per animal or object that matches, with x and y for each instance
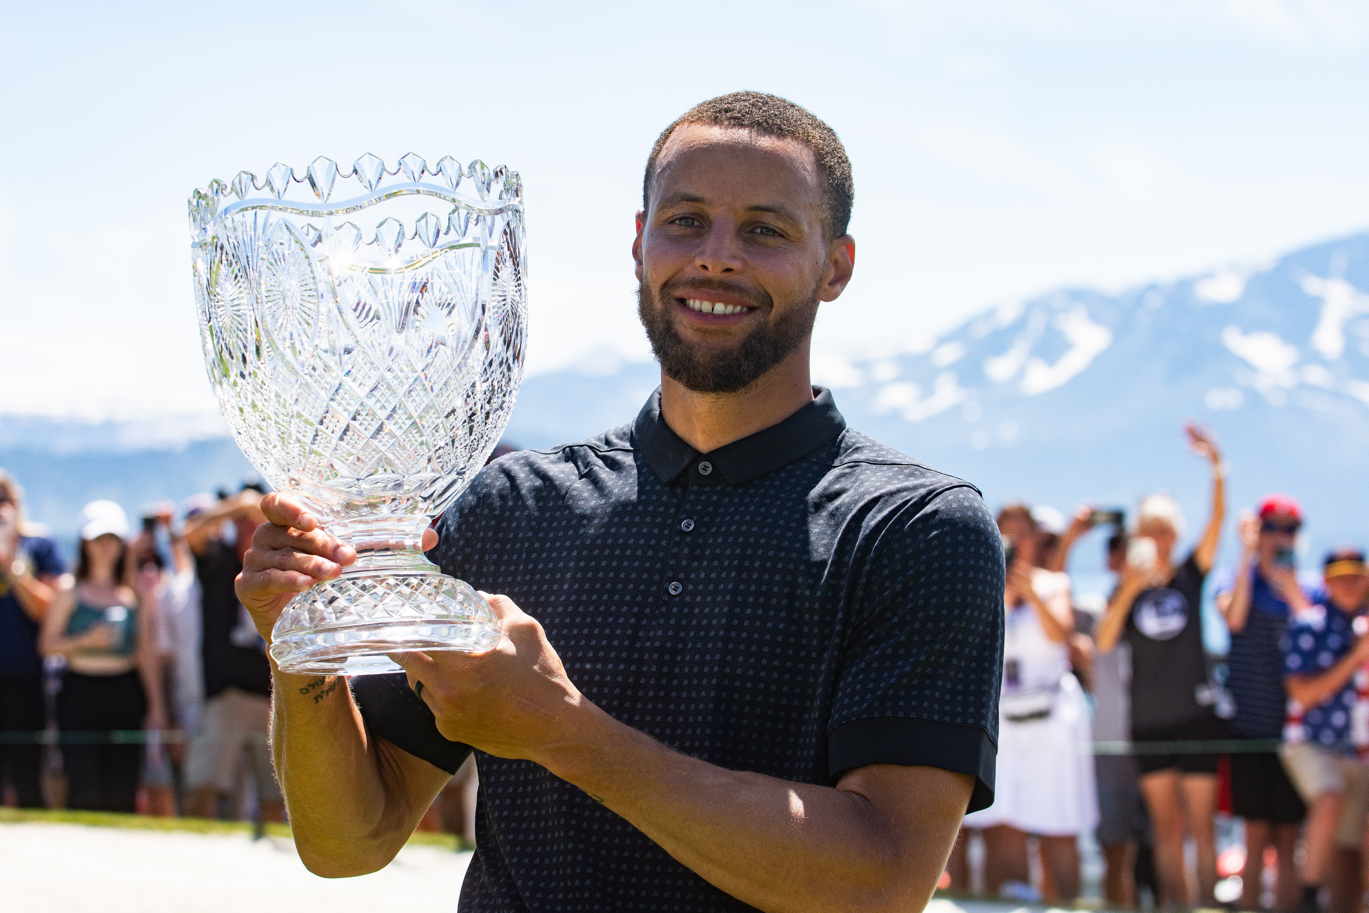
(718, 250)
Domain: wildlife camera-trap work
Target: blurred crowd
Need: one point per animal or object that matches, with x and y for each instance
(1120, 729)
(134, 681)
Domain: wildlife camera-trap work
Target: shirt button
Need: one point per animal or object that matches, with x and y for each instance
(705, 468)
(687, 525)
(675, 588)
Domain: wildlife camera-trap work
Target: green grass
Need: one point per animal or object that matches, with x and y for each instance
(186, 825)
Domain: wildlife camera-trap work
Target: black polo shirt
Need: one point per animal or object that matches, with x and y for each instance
(800, 603)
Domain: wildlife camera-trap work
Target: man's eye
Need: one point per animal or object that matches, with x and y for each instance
(767, 230)
(686, 221)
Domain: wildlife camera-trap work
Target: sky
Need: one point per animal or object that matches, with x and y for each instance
(999, 150)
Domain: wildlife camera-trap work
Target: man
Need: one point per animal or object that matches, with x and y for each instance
(1322, 656)
(31, 574)
(1255, 602)
(232, 731)
(764, 664)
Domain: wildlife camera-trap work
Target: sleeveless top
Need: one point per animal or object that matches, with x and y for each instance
(1033, 665)
(123, 618)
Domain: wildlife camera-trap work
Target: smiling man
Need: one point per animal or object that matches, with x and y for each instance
(750, 657)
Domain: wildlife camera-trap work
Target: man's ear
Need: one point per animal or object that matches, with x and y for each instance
(841, 262)
(637, 245)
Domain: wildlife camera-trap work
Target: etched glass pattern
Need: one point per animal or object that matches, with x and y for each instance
(364, 331)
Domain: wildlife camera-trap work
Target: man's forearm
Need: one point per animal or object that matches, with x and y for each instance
(774, 844)
(332, 778)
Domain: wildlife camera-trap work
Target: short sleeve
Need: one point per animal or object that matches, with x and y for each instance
(394, 713)
(46, 560)
(1225, 583)
(922, 665)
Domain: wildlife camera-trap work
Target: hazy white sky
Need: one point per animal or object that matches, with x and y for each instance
(999, 149)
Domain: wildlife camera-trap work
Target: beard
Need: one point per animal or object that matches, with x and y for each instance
(728, 370)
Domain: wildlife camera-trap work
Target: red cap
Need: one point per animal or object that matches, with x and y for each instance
(1281, 505)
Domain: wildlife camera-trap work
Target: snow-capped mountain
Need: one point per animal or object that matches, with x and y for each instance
(1073, 396)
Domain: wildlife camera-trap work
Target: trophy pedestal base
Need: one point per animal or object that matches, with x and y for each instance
(352, 625)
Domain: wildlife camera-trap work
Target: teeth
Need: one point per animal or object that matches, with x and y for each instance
(713, 307)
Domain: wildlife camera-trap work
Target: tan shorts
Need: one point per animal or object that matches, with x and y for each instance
(232, 734)
(1316, 772)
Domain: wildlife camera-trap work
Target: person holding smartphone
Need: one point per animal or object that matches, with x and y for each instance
(31, 575)
(1257, 602)
(1156, 610)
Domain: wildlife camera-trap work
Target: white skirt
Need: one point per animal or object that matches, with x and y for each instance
(1045, 783)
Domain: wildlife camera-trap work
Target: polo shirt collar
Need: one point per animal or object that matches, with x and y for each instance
(814, 424)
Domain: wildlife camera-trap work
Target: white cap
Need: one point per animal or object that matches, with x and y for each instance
(1049, 520)
(99, 518)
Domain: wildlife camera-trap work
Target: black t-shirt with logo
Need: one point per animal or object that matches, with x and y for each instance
(1168, 663)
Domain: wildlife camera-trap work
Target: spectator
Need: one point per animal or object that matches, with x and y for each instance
(30, 576)
(1322, 654)
(1255, 601)
(105, 632)
(178, 632)
(1122, 822)
(1156, 610)
(1045, 771)
(232, 736)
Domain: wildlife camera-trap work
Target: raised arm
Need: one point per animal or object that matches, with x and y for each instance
(353, 801)
(34, 588)
(1114, 619)
(1202, 443)
(1055, 614)
(1079, 526)
(1235, 603)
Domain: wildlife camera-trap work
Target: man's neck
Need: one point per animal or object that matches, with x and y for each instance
(707, 421)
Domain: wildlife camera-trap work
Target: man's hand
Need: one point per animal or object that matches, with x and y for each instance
(289, 554)
(513, 701)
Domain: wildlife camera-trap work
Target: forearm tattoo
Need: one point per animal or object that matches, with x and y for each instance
(319, 688)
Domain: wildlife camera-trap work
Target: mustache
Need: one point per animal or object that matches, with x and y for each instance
(682, 290)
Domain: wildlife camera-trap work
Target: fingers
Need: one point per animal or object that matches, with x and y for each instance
(269, 537)
(287, 559)
(505, 609)
(282, 510)
(418, 667)
(271, 582)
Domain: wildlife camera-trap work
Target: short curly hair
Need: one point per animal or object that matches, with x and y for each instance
(770, 115)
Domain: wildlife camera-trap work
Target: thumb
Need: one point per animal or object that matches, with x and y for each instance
(429, 539)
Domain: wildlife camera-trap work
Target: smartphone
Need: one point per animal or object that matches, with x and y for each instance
(1141, 553)
(1108, 516)
(1009, 555)
(1285, 557)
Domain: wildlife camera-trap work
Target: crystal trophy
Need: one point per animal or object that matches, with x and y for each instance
(364, 331)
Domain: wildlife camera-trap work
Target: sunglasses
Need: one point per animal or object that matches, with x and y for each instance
(1290, 529)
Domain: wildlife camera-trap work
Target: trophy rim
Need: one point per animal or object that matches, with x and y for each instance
(474, 186)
